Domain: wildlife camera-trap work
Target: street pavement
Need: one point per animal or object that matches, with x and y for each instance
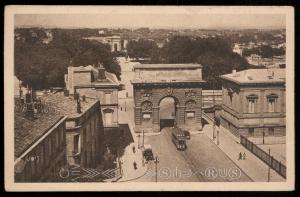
(253, 166)
(202, 161)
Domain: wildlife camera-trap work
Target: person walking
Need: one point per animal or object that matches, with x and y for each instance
(134, 165)
(240, 156)
(244, 156)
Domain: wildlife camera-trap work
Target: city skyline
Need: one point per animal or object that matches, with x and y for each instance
(152, 17)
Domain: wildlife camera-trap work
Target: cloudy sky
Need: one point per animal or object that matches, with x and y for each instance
(153, 18)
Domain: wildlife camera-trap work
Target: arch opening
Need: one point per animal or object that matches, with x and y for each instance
(167, 112)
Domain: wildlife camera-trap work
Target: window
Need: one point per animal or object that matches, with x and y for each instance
(190, 114)
(251, 103)
(271, 131)
(146, 116)
(76, 149)
(251, 131)
(57, 138)
(49, 146)
(107, 98)
(108, 118)
(272, 102)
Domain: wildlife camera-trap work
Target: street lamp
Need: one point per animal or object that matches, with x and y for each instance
(156, 161)
(269, 169)
(218, 142)
(143, 138)
(214, 120)
(139, 141)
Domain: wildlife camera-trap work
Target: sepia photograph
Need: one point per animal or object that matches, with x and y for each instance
(143, 98)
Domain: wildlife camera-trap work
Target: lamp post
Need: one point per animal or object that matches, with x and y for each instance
(139, 141)
(143, 138)
(218, 137)
(214, 124)
(269, 165)
(156, 161)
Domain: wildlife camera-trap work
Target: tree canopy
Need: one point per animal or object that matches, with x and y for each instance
(42, 65)
(214, 54)
(141, 48)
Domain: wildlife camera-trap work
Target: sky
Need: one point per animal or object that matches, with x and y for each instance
(163, 18)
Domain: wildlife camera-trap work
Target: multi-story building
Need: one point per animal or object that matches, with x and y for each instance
(96, 83)
(84, 128)
(254, 102)
(39, 145)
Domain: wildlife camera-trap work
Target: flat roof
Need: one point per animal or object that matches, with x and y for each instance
(168, 66)
(250, 76)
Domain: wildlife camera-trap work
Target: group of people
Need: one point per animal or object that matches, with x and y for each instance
(242, 156)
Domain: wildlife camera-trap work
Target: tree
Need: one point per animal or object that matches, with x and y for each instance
(141, 48)
(215, 55)
(42, 65)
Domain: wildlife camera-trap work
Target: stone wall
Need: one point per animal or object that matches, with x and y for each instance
(89, 127)
(188, 102)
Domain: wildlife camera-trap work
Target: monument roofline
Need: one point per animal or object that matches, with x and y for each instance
(168, 66)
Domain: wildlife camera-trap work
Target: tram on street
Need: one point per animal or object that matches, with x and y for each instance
(179, 139)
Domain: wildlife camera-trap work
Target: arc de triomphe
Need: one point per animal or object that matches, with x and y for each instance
(153, 82)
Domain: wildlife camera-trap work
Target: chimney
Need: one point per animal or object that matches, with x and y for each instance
(78, 103)
(234, 71)
(101, 72)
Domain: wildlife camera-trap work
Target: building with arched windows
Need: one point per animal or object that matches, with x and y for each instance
(254, 102)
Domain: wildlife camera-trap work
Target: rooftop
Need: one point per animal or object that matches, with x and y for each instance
(27, 132)
(67, 106)
(168, 66)
(250, 76)
(111, 78)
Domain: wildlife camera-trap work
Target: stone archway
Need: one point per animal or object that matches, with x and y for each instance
(184, 85)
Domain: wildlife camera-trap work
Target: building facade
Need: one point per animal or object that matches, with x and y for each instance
(254, 102)
(154, 82)
(40, 146)
(95, 82)
(84, 129)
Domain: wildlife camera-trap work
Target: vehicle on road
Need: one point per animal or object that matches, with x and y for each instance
(187, 134)
(178, 138)
(147, 152)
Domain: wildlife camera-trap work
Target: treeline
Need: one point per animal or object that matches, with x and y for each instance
(264, 51)
(214, 54)
(41, 60)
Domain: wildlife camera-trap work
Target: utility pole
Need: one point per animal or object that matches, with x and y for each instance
(269, 169)
(143, 138)
(214, 124)
(139, 141)
(156, 161)
(218, 137)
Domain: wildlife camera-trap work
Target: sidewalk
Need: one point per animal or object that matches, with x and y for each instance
(256, 169)
(129, 173)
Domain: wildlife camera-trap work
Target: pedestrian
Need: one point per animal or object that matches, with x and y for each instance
(244, 156)
(240, 156)
(133, 149)
(134, 165)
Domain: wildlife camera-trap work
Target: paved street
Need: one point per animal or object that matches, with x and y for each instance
(202, 161)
